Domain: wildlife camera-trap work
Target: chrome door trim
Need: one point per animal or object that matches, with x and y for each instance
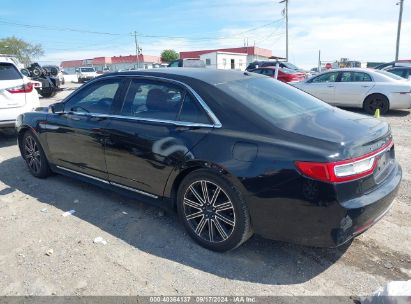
(83, 174)
(108, 182)
(134, 190)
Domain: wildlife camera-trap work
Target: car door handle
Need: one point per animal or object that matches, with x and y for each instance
(330, 86)
(365, 86)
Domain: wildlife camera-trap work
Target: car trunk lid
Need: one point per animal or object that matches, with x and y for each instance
(351, 134)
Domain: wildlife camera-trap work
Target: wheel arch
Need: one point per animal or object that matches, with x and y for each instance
(369, 94)
(177, 176)
(20, 134)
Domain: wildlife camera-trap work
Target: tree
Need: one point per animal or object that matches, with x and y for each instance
(23, 50)
(169, 55)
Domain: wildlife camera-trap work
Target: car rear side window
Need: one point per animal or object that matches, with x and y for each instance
(355, 77)
(152, 100)
(9, 72)
(272, 99)
(191, 111)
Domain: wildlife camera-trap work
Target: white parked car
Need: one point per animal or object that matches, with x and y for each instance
(360, 88)
(86, 73)
(17, 94)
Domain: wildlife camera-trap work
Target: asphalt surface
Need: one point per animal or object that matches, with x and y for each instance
(148, 252)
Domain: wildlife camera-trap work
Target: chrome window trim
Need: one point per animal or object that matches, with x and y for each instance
(172, 122)
(108, 182)
(216, 122)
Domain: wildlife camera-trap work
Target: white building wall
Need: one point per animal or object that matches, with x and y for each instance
(222, 60)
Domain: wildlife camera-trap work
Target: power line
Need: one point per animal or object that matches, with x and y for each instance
(66, 29)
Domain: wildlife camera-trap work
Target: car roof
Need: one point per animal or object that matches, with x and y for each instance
(210, 76)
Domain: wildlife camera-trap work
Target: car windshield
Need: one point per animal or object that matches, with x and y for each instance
(87, 70)
(388, 74)
(8, 72)
(289, 71)
(272, 99)
(291, 66)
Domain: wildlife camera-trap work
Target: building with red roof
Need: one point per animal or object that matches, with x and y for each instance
(114, 63)
(252, 51)
(229, 58)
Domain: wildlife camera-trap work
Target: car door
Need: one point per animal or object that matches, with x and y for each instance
(76, 137)
(153, 132)
(321, 86)
(352, 88)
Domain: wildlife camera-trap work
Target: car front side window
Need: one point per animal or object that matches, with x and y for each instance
(327, 77)
(95, 98)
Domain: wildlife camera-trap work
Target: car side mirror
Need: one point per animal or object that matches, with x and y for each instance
(57, 108)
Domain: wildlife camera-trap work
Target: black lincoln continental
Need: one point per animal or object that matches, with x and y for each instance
(234, 153)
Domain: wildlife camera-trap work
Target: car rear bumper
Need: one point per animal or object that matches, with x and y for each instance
(400, 101)
(322, 222)
(8, 115)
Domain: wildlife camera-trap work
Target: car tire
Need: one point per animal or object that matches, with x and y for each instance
(48, 93)
(34, 156)
(374, 102)
(221, 222)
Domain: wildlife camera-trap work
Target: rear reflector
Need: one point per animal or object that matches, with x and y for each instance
(25, 88)
(344, 170)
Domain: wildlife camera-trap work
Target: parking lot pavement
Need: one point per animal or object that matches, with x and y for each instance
(67, 89)
(43, 252)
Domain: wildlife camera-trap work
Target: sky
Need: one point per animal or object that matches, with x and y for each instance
(363, 30)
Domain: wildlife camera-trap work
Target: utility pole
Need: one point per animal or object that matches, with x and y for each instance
(319, 61)
(397, 50)
(286, 27)
(137, 49)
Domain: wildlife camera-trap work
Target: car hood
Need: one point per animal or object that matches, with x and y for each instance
(345, 133)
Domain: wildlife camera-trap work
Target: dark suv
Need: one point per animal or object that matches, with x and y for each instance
(187, 63)
(404, 72)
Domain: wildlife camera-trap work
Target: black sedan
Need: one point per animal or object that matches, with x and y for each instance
(235, 153)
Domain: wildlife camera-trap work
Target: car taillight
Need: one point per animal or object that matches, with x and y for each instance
(344, 170)
(25, 88)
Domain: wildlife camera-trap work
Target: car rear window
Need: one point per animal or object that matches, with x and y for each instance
(388, 74)
(272, 99)
(8, 71)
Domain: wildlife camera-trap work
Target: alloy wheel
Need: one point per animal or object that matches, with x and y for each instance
(32, 154)
(209, 211)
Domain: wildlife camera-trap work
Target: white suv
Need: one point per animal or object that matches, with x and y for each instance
(17, 94)
(86, 73)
